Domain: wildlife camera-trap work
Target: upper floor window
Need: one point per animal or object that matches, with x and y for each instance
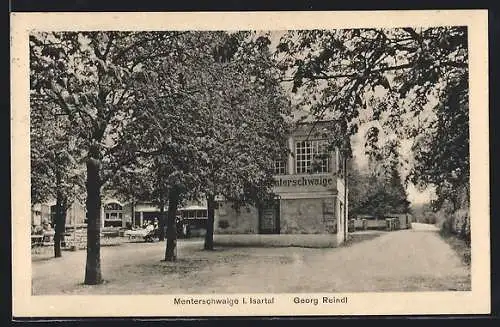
(113, 206)
(312, 157)
(279, 167)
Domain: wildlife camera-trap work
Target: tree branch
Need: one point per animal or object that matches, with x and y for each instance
(108, 47)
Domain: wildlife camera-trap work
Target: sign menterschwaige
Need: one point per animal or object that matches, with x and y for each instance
(297, 183)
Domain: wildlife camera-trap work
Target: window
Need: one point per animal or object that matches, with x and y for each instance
(279, 167)
(113, 206)
(114, 216)
(311, 157)
(113, 211)
(53, 210)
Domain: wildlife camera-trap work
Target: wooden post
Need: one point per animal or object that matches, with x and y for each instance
(290, 157)
(102, 216)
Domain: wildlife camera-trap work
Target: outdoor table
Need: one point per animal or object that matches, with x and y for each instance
(136, 233)
(36, 242)
(48, 238)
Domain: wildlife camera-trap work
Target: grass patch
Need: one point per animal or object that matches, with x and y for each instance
(458, 245)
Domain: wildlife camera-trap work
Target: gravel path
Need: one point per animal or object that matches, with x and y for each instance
(408, 260)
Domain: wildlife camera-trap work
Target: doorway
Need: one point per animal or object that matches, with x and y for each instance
(269, 217)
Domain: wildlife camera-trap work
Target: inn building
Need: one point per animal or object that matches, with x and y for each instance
(311, 197)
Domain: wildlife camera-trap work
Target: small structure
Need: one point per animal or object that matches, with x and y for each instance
(194, 220)
(46, 212)
(404, 219)
(365, 222)
(115, 213)
(393, 221)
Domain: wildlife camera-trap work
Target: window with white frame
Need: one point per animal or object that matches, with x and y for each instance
(312, 157)
(280, 167)
(113, 211)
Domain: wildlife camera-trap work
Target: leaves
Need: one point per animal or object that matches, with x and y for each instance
(445, 164)
(401, 72)
(55, 165)
(377, 193)
(214, 128)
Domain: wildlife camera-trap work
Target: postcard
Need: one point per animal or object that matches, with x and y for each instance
(250, 163)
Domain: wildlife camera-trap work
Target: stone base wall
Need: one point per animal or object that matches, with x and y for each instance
(297, 216)
(78, 239)
(228, 220)
(307, 216)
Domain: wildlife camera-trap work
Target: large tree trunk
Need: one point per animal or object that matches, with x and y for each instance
(60, 223)
(132, 222)
(57, 221)
(209, 236)
(93, 264)
(171, 247)
(161, 223)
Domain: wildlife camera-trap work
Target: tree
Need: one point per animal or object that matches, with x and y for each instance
(244, 149)
(445, 164)
(370, 194)
(380, 190)
(423, 213)
(211, 103)
(56, 172)
(344, 72)
(172, 100)
(93, 78)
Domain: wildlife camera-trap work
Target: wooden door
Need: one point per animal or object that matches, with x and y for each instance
(269, 218)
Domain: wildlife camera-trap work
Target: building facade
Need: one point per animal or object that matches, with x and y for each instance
(311, 195)
(46, 213)
(117, 214)
(40, 213)
(309, 184)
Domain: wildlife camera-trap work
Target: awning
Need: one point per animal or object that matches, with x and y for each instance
(194, 207)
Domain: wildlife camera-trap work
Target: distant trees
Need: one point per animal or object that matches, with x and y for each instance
(369, 195)
(378, 189)
(424, 213)
(376, 194)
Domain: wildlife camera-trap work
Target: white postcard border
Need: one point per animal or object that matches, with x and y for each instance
(473, 302)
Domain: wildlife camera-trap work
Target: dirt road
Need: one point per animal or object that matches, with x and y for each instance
(408, 260)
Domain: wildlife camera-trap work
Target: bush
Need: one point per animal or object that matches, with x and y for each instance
(455, 223)
(429, 219)
(462, 225)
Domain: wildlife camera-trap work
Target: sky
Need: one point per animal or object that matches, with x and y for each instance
(414, 195)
